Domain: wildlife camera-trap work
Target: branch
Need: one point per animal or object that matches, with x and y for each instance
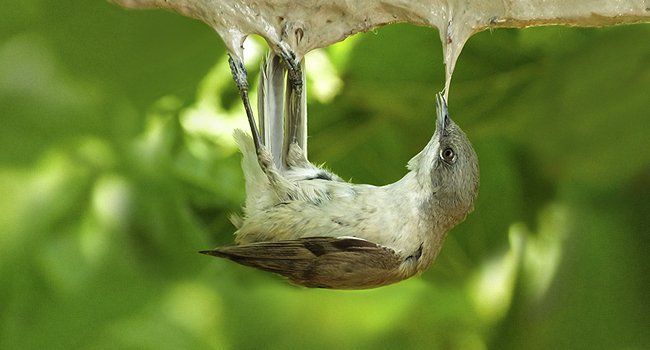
(321, 23)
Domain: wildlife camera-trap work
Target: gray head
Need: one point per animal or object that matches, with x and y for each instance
(448, 168)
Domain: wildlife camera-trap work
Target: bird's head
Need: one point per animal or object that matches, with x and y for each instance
(447, 168)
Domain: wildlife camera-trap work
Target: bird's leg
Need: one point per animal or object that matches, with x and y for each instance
(296, 104)
(278, 184)
(241, 79)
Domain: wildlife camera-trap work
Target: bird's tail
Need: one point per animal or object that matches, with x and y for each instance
(282, 111)
(270, 105)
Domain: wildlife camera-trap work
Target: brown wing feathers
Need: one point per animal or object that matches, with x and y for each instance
(324, 262)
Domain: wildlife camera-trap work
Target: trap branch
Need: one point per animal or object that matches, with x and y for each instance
(297, 27)
(323, 23)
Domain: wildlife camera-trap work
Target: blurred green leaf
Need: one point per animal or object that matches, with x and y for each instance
(116, 167)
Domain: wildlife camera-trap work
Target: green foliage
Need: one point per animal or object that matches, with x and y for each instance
(116, 167)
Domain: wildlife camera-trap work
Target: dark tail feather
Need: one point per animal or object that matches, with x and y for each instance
(323, 262)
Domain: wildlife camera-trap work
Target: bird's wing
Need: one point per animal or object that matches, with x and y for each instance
(321, 262)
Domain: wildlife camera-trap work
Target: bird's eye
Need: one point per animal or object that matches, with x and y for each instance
(448, 155)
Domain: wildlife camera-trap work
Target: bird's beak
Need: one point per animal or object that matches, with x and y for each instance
(442, 115)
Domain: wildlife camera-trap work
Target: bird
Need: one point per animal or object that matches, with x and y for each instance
(305, 223)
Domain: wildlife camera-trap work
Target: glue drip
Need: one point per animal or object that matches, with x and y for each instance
(324, 22)
(453, 39)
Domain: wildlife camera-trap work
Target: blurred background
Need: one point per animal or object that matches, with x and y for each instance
(117, 165)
